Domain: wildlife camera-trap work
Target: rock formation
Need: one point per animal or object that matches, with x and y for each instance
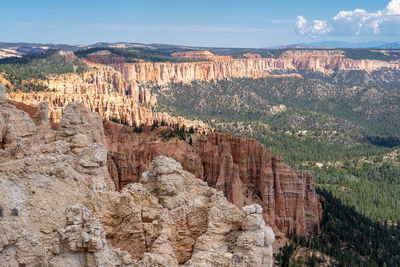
(2, 90)
(42, 171)
(104, 91)
(323, 61)
(171, 204)
(241, 168)
(101, 80)
(58, 206)
(109, 106)
(254, 241)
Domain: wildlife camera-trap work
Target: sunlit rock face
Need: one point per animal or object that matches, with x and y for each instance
(323, 61)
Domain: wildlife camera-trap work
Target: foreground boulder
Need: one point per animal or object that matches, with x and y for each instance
(58, 206)
(42, 172)
(172, 213)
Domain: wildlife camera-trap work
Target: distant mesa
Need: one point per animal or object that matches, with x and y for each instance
(199, 55)
(252, 55)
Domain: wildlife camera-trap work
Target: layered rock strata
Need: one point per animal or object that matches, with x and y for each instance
(105, 91)
(58, 206)
(109, 106)
(241, 168)
(101, 80)
(323, 61)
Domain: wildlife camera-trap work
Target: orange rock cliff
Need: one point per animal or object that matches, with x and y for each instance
(324, 61)
(105, 91)
(242, 168)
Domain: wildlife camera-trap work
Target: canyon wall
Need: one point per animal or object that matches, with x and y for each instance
(102, 80)
(241, 168)
(105, 91)
(324, 61)
(109, 106)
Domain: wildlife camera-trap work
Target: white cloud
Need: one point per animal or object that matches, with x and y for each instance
(312, 28)
(356, 22)
(393, 7)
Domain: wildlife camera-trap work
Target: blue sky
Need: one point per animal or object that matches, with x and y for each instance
(204, 23)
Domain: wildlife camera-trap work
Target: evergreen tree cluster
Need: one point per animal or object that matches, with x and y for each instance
(372, 189)
(353, 239)
(349, 237)
(20, 71)
(132, 55)
(174, 130)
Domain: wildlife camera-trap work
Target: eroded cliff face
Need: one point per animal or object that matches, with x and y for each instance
(102, 80)
(323, 61)
(241, 168)
(59, 207)
(109, 106)
(105, 91)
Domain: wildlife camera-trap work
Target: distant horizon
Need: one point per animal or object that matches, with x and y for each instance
(250, 24)
(377, 42)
